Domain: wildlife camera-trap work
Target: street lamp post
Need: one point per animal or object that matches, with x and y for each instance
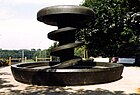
(22, 55)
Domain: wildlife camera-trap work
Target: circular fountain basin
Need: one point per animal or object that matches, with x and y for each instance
(41, 73)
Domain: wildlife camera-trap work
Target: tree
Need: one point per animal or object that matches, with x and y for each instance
(5, 54)
(45, 53)
(115, 30)
(79, 51)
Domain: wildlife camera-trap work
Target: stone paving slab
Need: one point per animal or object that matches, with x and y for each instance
(129, 84)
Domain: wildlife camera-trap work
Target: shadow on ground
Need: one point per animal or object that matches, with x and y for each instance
(3, 82)
(52, 90)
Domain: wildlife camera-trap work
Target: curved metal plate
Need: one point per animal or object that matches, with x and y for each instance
(61, 34)
(55, 14)
(59, 50)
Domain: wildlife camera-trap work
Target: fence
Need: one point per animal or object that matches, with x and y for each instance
(16, 60)
(19, 60)
(43, 59)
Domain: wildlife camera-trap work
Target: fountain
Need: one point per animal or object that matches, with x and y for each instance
(71, 70)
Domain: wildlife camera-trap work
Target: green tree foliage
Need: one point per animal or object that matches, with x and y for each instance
(5, 54)
(45, 53)
(79, 51)
(115, 29)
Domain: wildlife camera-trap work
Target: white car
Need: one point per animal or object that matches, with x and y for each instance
(126, 60)
(123, 60)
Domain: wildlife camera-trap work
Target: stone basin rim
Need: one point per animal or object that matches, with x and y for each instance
(23, 66)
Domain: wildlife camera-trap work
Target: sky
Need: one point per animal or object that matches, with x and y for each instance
(19, 28)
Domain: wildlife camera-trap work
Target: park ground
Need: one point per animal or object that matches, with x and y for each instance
(129, 84)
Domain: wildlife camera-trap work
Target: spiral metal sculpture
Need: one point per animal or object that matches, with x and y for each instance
(71, 70)
(68, 19)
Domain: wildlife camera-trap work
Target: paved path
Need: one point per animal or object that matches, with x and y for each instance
(128, 85)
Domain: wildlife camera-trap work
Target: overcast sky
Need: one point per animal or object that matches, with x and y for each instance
(19, 28)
